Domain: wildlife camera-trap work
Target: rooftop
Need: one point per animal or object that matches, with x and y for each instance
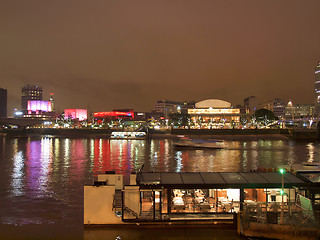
(220, 180)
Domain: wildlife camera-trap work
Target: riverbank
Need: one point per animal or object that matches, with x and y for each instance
(227, 134)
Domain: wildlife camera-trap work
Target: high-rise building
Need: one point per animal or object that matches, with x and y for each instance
(52, 102)
(29, 93)
(3, 102)
(250, 104)
(317, 89)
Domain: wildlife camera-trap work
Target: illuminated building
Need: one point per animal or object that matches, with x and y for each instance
(277, 106)
(39, 107)
(126, 110)
(29, 93)
(317, 89)
(80, 114)
(299, 111)
(52, 101)
(167, 107)
(214, 113)
(3, 102)
(114, 115)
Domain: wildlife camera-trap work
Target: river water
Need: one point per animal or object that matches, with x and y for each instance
(42, 179)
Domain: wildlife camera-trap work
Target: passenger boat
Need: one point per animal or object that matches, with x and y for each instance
(128, 135)
(199, 143)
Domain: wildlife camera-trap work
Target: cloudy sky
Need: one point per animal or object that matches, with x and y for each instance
(103, 54)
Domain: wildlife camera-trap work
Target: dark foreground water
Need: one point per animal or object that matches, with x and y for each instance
(42, 179)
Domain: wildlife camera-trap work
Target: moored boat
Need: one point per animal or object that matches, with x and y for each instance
(199, 143)
(304, 167)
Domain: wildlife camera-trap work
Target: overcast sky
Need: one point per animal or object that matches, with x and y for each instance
(101, 54)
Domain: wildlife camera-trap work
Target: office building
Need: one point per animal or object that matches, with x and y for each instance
(29, 93)
(250, 104)
(167, 107)
(299, 111)
(317, 89)
(52, 102)
(276, 105)
(3, 102)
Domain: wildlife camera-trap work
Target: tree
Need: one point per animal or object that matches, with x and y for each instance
(264, 116)
(180, 119)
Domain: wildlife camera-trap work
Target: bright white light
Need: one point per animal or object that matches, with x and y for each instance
(18, 113)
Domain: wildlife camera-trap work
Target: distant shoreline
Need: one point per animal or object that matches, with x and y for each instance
(105, 133)
(227, 134)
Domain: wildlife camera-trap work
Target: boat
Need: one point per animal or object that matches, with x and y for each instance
(304, 167)
(199, 143)
(128, 135)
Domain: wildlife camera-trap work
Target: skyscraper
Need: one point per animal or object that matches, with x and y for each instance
(317, 89)
(3, 102)
(30, 92)
(52, 101)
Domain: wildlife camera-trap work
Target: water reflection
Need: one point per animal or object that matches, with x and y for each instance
(311, 148)
(43, 178)
(17, 171)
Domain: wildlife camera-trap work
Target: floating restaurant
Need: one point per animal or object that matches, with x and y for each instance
(187, 198)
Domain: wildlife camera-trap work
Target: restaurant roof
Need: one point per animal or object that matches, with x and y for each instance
(219, 180)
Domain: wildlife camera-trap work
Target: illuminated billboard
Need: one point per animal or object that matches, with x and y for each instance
(214, 111)
(38, 105)
(80, 114)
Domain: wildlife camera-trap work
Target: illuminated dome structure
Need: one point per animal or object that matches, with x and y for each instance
(213, 103)
(214, 113)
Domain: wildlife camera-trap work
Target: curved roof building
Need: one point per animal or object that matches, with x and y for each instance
(213, 103)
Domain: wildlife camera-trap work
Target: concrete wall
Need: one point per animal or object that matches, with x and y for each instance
(98, 205)
(112, 179)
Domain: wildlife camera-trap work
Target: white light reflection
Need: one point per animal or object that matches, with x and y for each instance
(91, 154)
(45, 161)
(311, 148)
(66, 153)
(17, 172)
(178, 159)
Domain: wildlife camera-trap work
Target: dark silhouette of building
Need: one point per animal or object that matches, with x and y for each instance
(30, 92)
(3, 102)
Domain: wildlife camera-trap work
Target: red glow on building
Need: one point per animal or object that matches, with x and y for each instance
(114, 114)
(80, 114)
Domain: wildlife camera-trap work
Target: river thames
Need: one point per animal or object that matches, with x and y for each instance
(42, 179)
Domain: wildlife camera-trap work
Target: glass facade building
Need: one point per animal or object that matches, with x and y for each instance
(317, 89)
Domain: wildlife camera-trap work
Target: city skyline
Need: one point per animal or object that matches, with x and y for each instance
(107, 55)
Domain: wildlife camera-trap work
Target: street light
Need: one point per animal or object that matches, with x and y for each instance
(282, 172)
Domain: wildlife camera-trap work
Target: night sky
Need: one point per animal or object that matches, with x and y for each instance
(102, 54)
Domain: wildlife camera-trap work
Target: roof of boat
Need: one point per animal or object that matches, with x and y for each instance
(220, 180)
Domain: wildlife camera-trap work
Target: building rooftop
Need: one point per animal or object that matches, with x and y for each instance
(220, 180)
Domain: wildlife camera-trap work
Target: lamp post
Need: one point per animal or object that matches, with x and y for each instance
(282, 171)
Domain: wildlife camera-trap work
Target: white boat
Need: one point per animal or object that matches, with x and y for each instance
(128, 135)
(304, 167)
(199, 143)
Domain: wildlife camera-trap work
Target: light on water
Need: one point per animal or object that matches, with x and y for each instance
(42, 179)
